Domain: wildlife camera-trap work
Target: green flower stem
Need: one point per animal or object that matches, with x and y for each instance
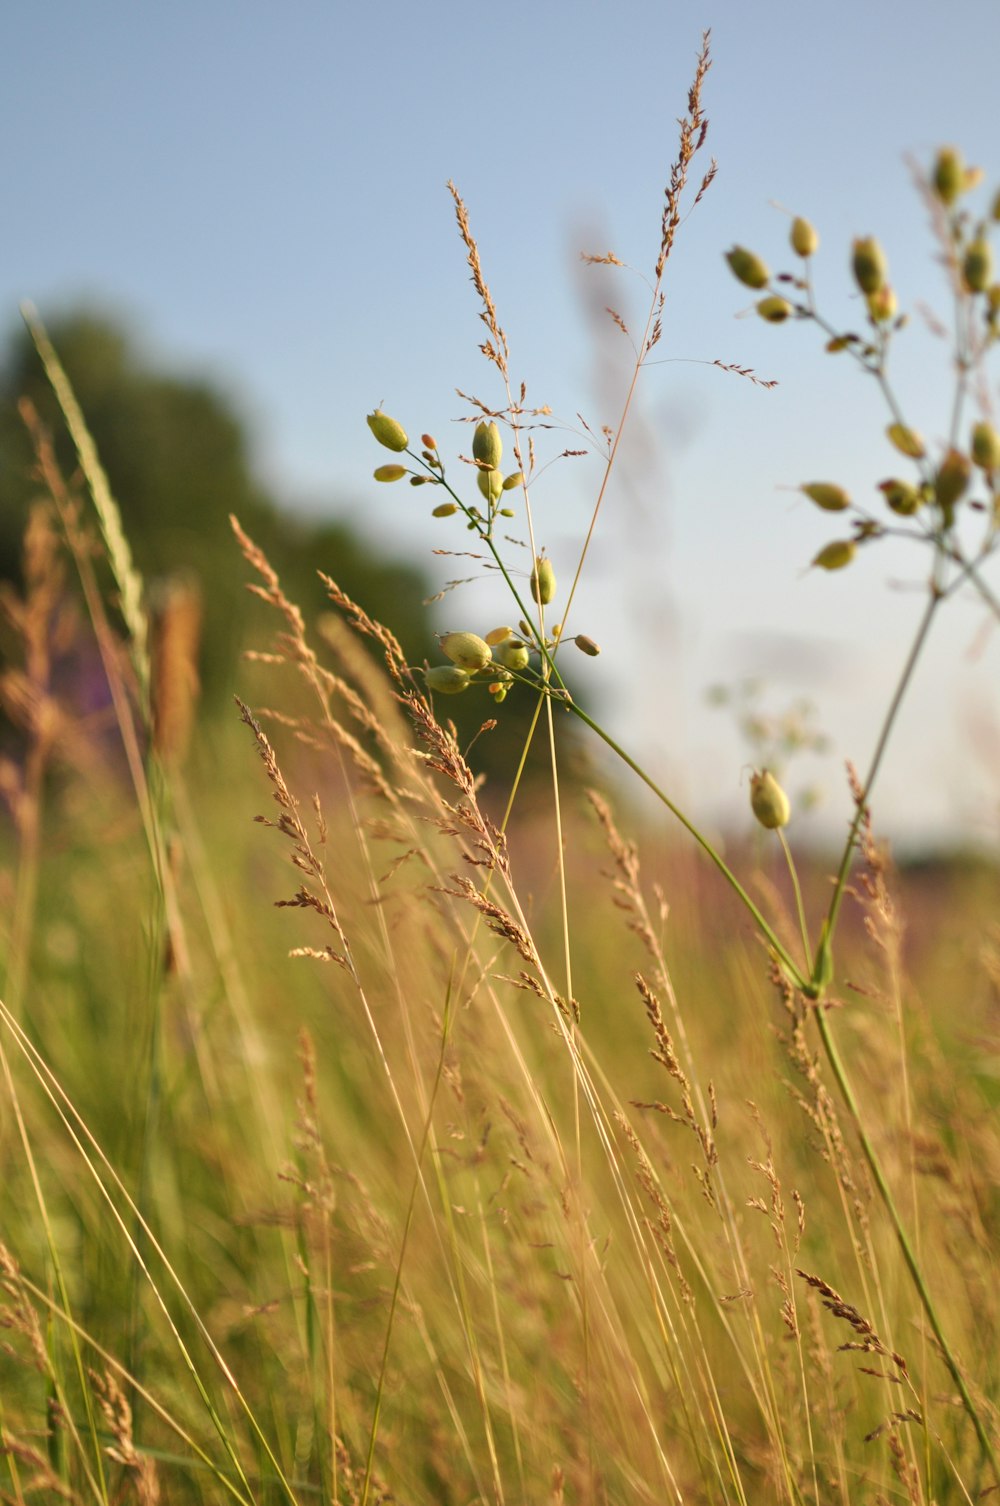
(874, 1166)
(934, 601)
(799, 906)
(793, 971)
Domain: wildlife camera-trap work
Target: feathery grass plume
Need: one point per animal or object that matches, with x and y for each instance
(127, 577)
(176, 617)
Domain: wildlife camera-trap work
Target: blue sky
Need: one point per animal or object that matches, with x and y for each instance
(261, 190)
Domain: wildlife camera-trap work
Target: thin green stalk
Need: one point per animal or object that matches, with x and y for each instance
(777, 946)
(796, 887)
(837, 1067)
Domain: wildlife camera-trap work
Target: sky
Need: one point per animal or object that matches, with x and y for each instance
(261, 191)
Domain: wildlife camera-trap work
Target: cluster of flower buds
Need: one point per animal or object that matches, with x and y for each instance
(950, 180)
(494, 661)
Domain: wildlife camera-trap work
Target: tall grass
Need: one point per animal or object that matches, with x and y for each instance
(517, 1164)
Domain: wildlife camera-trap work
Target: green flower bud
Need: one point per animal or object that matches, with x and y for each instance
(951, 480)
(389, 472)
(774, 309)
(499, 692)
(869, 264)
(387, 431)
(543, 581)
(467, 650)
(513, 654)
(901, 497)
(447, 679)
(587, 645)
(907, 441)
(948, 178)
(750, 270)
(514, 479)
(977, 265)
(487, 446)
(836, 555)
(986, 446)
(804, 239)
(826, 495)
(444, 510)
(428, 441)
(768, 800)
(499, 635)
(490, 483)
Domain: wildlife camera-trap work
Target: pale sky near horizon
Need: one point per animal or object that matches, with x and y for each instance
(260, 190)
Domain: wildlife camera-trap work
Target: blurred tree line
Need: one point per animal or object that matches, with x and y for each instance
(178, 460)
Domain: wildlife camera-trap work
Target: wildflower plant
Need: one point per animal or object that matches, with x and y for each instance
(944, 500)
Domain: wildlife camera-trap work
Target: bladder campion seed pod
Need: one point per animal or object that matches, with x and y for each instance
(836, 555)
(986, 446)
(587, 645)
(467, 650)
(389, 472)
(774, 309)
(513, 654)
(444, 510)
(543, 581)
(948, 177)
(977, 265)
(487, 446)
(901, 497)
(387, 431)
(447, 679)
(514, 479)
(490, 483)
(826, 495)
(499, 635)
(951, 480)
(882, 305)
(804, 238)
(769, 802)
(907, 441)
(750, 270)
(869, 264)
